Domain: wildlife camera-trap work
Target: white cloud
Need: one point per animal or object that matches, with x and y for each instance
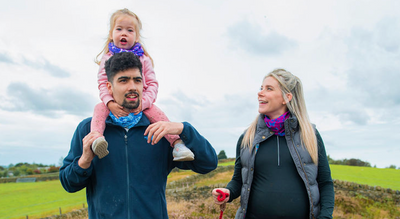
(210, 58)
(61, 100)
(250, 38)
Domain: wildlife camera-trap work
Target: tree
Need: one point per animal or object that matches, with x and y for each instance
(349, 162)
(222, 155)
(61, 161)
(16, 173)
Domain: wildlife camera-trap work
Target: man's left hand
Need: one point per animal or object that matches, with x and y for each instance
(158, 130)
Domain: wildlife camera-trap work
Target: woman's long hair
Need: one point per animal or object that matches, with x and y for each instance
(289, 83)
(113, 19)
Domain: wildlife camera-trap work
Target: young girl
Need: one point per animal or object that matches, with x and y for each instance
(124, 36)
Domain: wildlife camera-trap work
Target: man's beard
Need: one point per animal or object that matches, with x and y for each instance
(131, 106)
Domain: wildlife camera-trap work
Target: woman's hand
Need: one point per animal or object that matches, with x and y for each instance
(219, 198)
(116, 109)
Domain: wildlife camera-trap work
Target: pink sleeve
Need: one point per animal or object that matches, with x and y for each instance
(105, 96)
(150, 83)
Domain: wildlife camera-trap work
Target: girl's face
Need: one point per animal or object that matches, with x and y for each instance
(270, 99)
(124, 32)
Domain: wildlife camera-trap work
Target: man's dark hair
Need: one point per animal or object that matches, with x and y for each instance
(121, 62)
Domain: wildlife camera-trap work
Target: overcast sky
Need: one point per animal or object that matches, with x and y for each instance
(210, 58)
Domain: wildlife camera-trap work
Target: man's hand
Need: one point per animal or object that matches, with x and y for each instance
(158, 130)
(116, 109)
(88, 155)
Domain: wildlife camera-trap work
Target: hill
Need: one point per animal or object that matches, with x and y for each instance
(189, 196)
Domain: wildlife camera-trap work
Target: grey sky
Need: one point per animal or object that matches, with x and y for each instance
(248, 37)
(210, 58)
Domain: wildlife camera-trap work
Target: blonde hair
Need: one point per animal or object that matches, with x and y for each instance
(289, 83)
(113, 19)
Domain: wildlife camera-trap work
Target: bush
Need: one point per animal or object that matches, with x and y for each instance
(16, 172)
(53, 169)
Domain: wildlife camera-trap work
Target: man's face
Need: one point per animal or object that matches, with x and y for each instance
(126, 88)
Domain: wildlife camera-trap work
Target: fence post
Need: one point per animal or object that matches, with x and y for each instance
(27, 217)
(60, 210)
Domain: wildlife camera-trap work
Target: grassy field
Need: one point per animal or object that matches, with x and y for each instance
(179, 175)
(227, 163)
(386, 178)
(42, 199)
(39, 199)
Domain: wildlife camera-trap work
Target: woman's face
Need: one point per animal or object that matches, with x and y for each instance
(270, 99)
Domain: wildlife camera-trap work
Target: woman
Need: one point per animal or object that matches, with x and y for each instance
(281, 168)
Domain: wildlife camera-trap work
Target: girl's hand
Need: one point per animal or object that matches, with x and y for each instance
(116, 109)
(216, 194)
(138, 110)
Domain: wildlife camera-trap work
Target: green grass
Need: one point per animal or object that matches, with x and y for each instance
(226, 163)
(386, 178)
(42, 199)
(37, 199)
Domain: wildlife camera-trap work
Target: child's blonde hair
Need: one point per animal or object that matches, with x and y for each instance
(113, 19)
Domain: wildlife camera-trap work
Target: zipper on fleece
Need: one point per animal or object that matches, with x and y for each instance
(127, 173)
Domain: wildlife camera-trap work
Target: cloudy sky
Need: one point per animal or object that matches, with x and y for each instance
(210, 57)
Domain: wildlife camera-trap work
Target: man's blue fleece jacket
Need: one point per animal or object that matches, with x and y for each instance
(130, 182)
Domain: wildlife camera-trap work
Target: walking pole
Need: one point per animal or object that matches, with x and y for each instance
(222, 196)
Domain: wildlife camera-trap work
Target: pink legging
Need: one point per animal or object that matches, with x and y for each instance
(154, 114)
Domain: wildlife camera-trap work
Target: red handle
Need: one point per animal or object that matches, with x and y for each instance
(222, 195)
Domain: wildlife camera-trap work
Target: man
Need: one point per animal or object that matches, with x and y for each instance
(130, 182)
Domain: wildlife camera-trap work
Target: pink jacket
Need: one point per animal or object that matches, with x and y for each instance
(150, 84)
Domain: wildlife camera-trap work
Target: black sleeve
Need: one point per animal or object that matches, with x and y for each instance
(325, 182)
(235, 184)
